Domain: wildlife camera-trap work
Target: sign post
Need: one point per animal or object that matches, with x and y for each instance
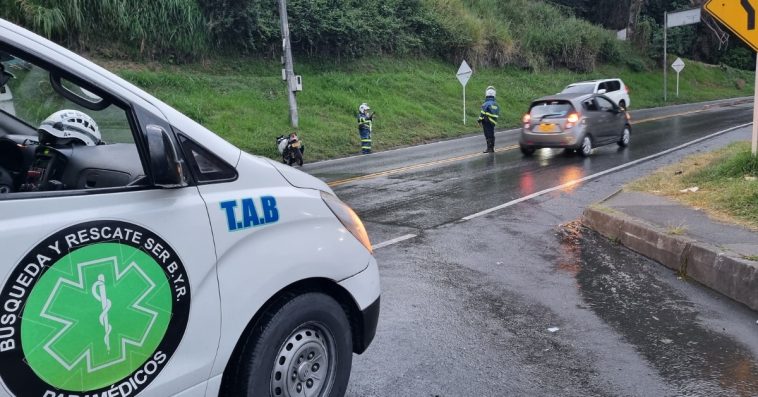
(739, 17)
(678, 65)
(464, 73)
(671, 20)
(755, 110)
(665, 56)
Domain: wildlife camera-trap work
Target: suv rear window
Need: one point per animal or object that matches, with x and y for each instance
(550, 109)
(579, 89)
(612, 85)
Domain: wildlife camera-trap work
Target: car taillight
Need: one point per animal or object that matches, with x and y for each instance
(526, 121)
(626, 89)
(571, 120)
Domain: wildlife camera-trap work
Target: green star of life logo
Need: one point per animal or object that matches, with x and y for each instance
(96, 316)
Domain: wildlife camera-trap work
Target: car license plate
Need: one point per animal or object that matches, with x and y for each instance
(546, 127)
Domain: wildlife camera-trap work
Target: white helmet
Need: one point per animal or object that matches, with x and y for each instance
(364, 107)
(490, 91)
(67, 125)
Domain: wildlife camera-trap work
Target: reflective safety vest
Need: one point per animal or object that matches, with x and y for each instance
(364, 122)
(490, 111)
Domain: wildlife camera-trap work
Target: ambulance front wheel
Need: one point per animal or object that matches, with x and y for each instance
(302, 348)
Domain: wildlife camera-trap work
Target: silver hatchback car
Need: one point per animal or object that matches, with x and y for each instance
(578, 122)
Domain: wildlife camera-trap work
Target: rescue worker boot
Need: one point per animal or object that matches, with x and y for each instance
(490, 146)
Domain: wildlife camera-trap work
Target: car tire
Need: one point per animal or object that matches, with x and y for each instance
(586, 147)
(527, 150)
(622, 104)
(303, 344)
(626, 136)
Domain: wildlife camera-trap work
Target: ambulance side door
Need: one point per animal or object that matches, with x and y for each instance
(107, 280)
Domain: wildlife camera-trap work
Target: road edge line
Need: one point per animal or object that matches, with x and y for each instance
(602, 173)
(394, 241)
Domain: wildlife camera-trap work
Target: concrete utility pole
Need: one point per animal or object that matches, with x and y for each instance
(288, 68)
(665, 56)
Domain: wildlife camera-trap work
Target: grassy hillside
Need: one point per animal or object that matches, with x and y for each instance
(523, 33)
(415, 100)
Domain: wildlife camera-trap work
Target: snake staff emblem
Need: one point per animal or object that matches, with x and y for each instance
(98, 291)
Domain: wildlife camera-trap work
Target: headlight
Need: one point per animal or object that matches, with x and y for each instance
(349, 219)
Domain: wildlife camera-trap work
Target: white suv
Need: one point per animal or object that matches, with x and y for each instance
(141, 254)
(612, 88)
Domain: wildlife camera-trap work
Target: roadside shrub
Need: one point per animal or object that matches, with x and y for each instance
(172, 28)
(739, 57)
(532, 34)
(738, 164)
(636, 64)
(231, 25)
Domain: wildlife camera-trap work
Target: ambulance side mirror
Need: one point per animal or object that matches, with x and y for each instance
(166, 168)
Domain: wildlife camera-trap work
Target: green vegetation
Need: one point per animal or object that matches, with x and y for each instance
(165, 27)
(520, 33)
(400, 56)
(677, 230)
(728, 182)
(415, 101)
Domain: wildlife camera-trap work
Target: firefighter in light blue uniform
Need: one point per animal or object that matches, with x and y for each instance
(488, 118)
(364, 127)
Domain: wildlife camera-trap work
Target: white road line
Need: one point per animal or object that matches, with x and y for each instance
(599, 174)
(394, 241)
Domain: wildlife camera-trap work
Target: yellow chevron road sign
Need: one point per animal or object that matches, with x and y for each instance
(738, 16)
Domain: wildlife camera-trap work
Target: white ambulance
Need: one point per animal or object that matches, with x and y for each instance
(140, 254)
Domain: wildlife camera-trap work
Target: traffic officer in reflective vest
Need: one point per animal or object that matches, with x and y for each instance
(488, 118)
(364, 127)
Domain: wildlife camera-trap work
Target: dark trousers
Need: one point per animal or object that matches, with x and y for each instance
(365, 140)
(489, 131)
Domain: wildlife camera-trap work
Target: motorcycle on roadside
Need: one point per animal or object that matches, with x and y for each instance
(291, 149)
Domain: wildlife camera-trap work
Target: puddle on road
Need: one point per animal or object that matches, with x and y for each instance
(621, 287)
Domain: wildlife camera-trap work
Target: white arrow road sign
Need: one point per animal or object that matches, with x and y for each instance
(464, 73)
(678, 65)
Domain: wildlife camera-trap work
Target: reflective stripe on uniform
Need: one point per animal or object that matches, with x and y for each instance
(492, 118)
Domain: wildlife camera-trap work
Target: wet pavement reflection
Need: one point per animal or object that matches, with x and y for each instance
(659, 321)
(414, 199)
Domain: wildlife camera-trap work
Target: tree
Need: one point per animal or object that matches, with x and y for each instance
(632, 31)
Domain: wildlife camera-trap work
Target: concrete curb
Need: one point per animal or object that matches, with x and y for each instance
(734, 277)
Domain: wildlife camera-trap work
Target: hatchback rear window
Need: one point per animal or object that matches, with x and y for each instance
(613, 85)
(550, 109)
(579, 89)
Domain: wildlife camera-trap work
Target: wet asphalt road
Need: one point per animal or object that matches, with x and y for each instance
(468, 306)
